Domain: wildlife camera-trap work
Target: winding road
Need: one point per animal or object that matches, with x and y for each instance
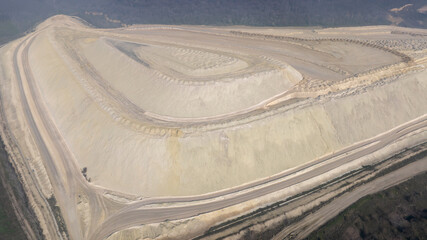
(68, 182)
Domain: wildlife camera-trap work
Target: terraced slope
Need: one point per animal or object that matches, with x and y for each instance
(118, 123)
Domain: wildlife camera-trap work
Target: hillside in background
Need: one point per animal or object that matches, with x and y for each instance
(17, 16)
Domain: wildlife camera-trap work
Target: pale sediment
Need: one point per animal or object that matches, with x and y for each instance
(165, 111)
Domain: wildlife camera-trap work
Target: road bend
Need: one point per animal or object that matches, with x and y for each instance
(67, 180)
(137, 214)
(58, 160)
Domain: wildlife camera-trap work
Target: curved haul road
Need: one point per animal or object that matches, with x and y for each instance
(313, 221)
(62, 173)
(65, 174)
(136, 214)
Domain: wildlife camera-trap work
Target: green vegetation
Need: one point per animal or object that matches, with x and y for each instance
(420, 150)
(9, 225)
(11, 188)
(8, 30)
(58, 216)
(399, 212)
(24, 14)
(84, 172)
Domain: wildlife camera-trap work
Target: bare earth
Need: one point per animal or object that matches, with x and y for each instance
(180, 128)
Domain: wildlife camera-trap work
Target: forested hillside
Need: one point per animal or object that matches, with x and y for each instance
(17, 16)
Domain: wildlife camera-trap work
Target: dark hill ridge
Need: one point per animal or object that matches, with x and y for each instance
(23, 14)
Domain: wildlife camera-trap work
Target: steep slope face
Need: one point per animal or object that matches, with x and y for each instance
(161, 110)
